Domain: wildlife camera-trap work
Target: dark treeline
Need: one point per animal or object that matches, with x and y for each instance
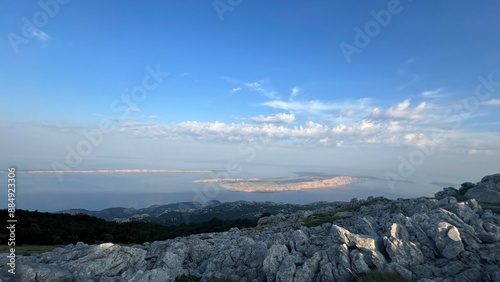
(57, 229)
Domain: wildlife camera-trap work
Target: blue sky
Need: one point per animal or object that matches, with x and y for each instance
(269, 73)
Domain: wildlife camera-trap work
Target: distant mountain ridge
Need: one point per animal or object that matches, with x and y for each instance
(186, 212)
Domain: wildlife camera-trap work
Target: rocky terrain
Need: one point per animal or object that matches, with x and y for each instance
(422, 239)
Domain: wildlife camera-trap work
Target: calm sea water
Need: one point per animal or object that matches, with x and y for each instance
(44, 192)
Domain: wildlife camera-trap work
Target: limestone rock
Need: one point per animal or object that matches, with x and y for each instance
(448, 240)
(42, 272)
(488, 190)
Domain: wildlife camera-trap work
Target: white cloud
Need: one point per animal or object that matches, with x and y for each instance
(42, 36)
(432, 93)
(278, 118)
(259, 86)
(294, 93)
(413, 80)
(134, 109)
(402, 111)
(314, 106)
(485, 152)
(236, 89)
(362, 132)
(154, 116)
(492, 102)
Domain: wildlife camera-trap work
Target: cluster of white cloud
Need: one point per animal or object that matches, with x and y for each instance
(278, 118)
(361, 132)
(402, 111)
(331, 123)
(492, 102)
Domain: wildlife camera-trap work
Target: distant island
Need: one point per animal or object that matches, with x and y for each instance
(117, 171)
(258, 185)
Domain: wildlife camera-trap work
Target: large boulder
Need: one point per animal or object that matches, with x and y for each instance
(447, 192)
(32, 271)
(400, 249)
(488, 190)
(448, 240)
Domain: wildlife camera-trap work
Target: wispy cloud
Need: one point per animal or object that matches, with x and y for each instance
(314, 106)
(278, 118)
(40, 35)
(492, 102)
(134, 109)
(412, 81)
(402, 111)
(260, 87)
(437, 93)
(294, 93)
(486, 152)
(407, 74)
(235, 89)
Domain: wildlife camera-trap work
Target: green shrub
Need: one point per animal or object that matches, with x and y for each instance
(465, 187)
(380, 276)
(187, 278)
(222, 279)
(329, 216)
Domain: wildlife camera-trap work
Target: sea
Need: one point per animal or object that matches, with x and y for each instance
(96, 191)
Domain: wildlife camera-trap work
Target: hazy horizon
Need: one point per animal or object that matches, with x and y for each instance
(97, 190)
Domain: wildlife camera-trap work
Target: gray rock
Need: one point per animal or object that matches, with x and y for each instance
(309, 269)
(448, 240)
(488, 190)
(286, 270)
(42, 272)
(394, 267)
(343, 236)
(358, 262)
(272, 261)
(453, 268)
(404, 253)
(447, 192)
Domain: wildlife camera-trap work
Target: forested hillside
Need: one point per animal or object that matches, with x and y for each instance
(56, 229)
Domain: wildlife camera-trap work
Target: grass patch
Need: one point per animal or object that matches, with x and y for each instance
(460, 198)
(187, 278)
(320, 218)
(222, 279)
(380, 276)
(192, 278)
(27, 250)
(493, 207)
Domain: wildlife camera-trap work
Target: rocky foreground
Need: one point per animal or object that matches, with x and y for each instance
(422, 239)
